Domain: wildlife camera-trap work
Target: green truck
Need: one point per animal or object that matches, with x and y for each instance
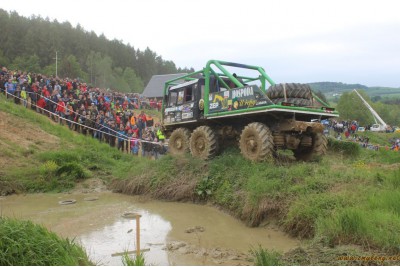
(228, 104)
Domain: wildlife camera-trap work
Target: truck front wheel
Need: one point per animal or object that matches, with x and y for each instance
(179, 141)
(203, 143)
(256, 142)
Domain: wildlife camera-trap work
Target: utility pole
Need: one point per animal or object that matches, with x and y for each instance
(56, 64)
(56, 58)
(91, 71)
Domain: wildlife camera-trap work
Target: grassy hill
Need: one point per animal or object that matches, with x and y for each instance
(332, 90)
(346, 203)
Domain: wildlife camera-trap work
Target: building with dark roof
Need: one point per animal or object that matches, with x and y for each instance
(155, 86)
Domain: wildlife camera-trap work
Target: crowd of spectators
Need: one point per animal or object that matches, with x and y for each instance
(108, 116)
(351, 132)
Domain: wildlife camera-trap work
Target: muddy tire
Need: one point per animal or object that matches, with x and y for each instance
(204, 143)
(301, 102)
(67, 202)
(179, 141)
(318, 148)
(289, 90)
(256, 142)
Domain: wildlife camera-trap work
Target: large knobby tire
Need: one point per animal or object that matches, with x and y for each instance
(179, 141)
(318, 148)
(204, 143)
(289, 90)
(256, 142)
(301, 102)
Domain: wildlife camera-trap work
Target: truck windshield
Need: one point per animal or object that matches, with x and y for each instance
(172, 99)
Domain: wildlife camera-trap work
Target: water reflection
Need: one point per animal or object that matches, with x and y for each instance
(121, 236)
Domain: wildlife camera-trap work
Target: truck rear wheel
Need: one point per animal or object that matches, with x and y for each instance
(318, 148)
(256, 142)
(203, 143)
(179, 141)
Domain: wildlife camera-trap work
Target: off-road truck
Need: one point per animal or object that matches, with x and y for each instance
(227, 104)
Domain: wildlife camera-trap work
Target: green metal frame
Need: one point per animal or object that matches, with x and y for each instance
(262, 77)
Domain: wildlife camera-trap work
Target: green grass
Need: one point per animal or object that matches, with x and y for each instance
(346, 148)
(137, 260)
(24, 243)
(264, 257)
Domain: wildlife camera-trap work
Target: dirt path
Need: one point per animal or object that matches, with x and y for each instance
(18, 134)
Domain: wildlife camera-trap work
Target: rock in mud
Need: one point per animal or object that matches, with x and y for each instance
(198, 229)
(174, 246)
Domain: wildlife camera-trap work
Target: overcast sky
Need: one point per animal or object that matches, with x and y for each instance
(295, 41)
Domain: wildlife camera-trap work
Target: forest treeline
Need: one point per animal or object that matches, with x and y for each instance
(325, 87)
(30, 44)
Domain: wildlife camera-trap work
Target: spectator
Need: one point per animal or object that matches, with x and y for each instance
(24, 96)
(17, 95)
(159, 133)
(60, 110)
(135, 145)
(41, 104)
(141, 123)
(121, 137)
(9, 88)
(149, 121)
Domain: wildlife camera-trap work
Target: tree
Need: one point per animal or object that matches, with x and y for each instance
(26, 63)
(134, 82)
(71, 68)
(104, 78)
(389, 113)
(37, 39)
(50, 70)
(376, 98)
(3, 59)
(351, 107)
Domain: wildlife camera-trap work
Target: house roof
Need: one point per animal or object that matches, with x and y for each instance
(155, 86)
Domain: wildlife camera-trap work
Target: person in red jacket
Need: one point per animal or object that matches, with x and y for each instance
(135, 130)
(69, 85)
(45, 92)
(41, 103)
(60, 110)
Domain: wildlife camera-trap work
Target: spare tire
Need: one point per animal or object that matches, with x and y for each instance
(301, 102)
(289, 90)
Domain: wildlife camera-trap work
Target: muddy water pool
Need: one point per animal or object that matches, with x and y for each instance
(174, 233)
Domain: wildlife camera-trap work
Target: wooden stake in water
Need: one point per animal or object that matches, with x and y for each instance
(138, 251)
(138, 234)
